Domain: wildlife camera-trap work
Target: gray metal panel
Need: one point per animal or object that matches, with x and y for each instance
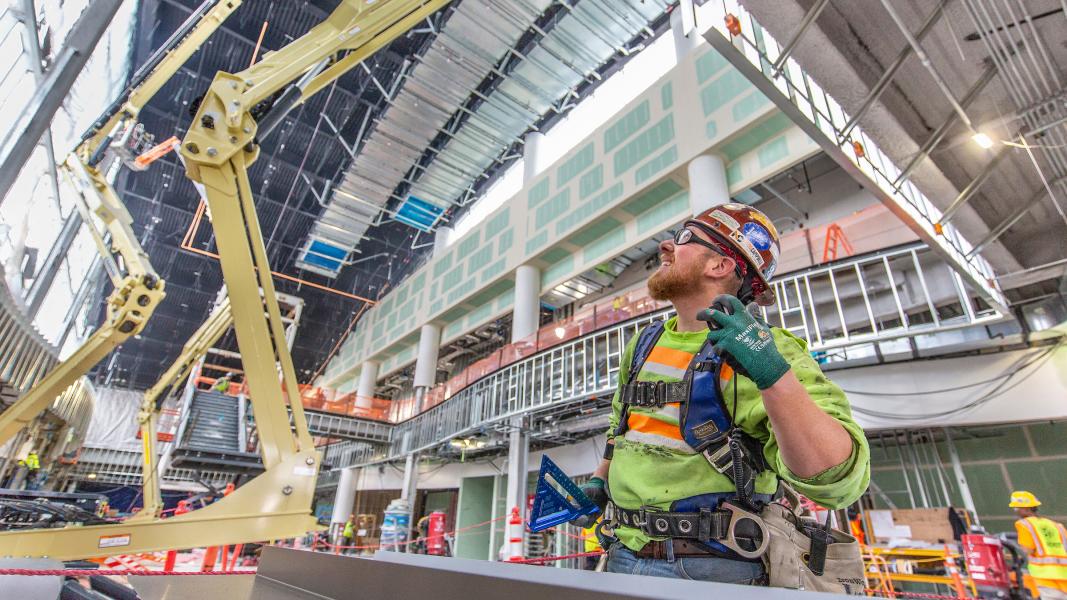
(285, 573)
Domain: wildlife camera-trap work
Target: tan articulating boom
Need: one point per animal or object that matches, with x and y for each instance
(217, 323)
(219, 147)
(138, 289)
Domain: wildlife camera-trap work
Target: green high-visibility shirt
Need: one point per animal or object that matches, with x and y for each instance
(652, 466)
(349, 530)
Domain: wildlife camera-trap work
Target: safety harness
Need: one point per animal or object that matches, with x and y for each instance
(707, 426)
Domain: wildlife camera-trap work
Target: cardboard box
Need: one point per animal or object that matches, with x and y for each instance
(927, 524)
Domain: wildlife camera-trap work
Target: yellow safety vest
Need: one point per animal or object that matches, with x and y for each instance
(349, 530)
(1049, 560)
(33, 462)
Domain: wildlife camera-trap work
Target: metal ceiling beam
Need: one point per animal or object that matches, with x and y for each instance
(972, 187)
(36, 117)
(1006, 224)
(891, 70)
(807, 21)
(940, 132)
(957, 105)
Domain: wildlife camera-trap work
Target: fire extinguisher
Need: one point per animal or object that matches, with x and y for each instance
(435, 534)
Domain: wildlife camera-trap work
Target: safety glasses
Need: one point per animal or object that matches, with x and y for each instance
(686, 236)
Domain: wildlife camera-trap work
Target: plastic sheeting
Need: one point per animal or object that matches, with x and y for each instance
(114, 422)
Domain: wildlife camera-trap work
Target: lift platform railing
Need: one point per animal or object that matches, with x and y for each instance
(856, 302)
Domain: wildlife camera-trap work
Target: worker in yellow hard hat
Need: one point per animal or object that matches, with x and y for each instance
(1046, 542)
(591, 544)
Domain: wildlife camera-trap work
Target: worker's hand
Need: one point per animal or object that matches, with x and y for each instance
(595, 490)
(746, 344)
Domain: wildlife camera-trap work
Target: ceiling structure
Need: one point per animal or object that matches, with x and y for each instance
(997, 64)
(438, 114)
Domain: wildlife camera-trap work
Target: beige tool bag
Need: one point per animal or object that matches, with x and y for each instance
(805, 555)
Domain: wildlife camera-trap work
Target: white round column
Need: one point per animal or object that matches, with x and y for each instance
(708, 186)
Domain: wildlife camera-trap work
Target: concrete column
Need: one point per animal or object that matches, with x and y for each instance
(368, 380)
(441, 239)
(526, 314)
(683, 27)
(518, 453)
(426, 362)
(343, 500)
(707, 183)
(411, 478)
(533, 160)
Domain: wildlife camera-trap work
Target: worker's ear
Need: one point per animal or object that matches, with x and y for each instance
(719, 266)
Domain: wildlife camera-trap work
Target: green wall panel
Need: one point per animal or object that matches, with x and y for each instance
(653, 167)
(649, 141)
(709, 64)
(574, 165)
(720, 92)
(651, 197)
(626, 126)
(595, 230)
(552, 209)
(597, 248)
(591, 182)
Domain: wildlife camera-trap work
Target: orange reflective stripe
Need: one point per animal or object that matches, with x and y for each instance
(726, 372)
(1039, 544)
(679, 359)
(649, 424)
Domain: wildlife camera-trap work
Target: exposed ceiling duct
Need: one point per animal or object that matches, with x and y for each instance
(463, 105)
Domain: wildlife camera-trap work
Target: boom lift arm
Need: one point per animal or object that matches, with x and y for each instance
(201, 341)
(219, 147)
(138, 289)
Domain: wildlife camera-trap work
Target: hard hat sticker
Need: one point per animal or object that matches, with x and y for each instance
(757, 215)
(726, 219)
(758, 235)
(748, 248)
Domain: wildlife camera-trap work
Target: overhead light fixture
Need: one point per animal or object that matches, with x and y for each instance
(467, 443)
(983, 140)
(91, 476)
(560, 332)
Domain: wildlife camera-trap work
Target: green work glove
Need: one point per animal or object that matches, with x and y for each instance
(746, 344)
(595, 490)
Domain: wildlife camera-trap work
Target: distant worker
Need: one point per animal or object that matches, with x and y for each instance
(32, 463)
(1045, 541)
(591, 544)
(672, 445)
(222, 384)
(349, 533)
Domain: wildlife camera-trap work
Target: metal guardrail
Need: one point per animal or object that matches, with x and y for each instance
(350, 428)
(854, 302)
(123, 467)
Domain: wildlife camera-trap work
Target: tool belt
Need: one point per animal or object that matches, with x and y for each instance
(705, 525)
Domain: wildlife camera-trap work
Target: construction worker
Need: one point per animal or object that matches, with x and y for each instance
(1045, 541)
(591, 544)
(222, 384)
(688, 432)
(32, 463)
(348, 534)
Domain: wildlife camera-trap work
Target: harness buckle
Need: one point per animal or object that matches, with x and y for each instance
(737, 515)
(721, 459)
